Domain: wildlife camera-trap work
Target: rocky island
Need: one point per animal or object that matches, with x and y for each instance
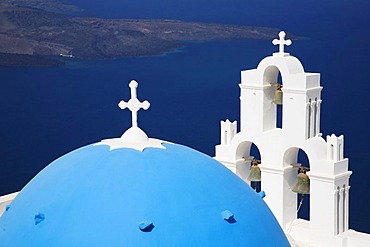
(36, 28)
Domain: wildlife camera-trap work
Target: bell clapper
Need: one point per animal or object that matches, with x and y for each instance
(300, 203)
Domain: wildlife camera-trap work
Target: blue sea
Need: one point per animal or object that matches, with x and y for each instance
(47, 112)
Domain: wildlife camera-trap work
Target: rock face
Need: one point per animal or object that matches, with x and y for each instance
(35, 31)
(42, 28)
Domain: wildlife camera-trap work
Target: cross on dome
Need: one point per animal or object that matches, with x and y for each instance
(134, 105)
(134, 137)
(282, 42)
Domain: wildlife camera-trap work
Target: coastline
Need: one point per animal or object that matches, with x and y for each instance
(24, 60)
(43, 33)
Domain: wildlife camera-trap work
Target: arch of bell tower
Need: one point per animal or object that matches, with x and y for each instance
(237, 155)
(301, 97)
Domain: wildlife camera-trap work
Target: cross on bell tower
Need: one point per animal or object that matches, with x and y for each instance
(282, 42)
(134, 105)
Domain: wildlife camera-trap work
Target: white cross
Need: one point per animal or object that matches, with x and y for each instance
(134, 105)
(281, 42)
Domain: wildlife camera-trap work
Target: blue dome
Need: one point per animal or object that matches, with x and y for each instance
(94, 197)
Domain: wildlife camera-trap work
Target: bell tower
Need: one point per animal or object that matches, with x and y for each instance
(301, 96)
(279, 145)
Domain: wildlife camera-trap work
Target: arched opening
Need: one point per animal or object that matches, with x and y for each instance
(279, 102)
(255, 172)
(303, 200)
(274, 94)
(251, 172)
(298, 182)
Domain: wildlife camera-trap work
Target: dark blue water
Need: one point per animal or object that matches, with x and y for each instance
(47, 112)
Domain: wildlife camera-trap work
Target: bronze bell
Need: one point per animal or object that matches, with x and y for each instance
(255, 173)
(278, 98)
(303, 183)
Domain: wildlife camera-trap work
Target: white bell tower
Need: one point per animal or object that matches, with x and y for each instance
(279, 147)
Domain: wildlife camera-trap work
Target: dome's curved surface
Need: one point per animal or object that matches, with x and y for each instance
(97, 197)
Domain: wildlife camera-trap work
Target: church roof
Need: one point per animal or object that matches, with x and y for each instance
(147, 193)
(97, 197)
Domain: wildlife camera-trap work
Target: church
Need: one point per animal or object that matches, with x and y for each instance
(139, 191)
